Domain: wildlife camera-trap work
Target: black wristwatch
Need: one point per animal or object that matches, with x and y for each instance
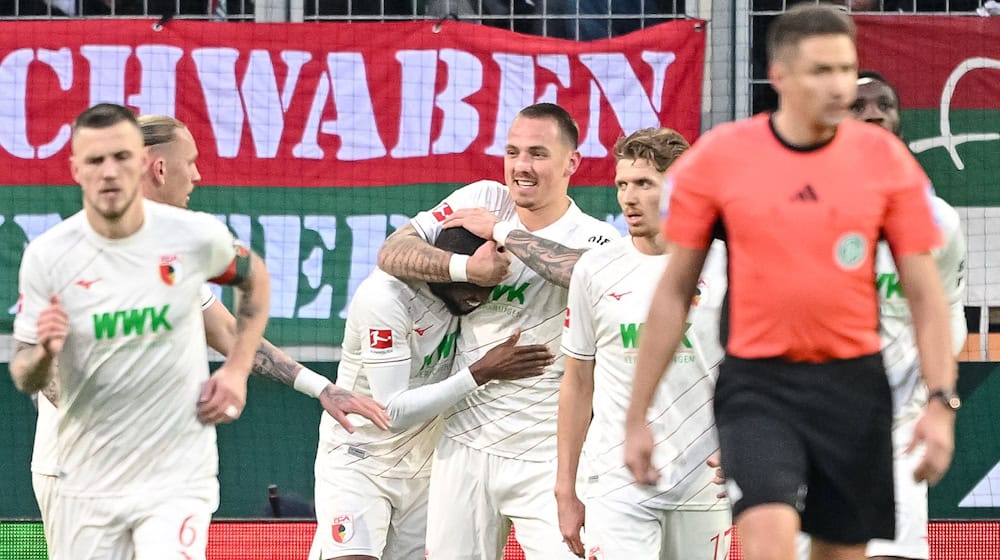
(949, 398)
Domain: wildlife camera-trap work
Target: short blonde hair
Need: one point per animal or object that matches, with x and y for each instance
(158, 129)
(659, 146)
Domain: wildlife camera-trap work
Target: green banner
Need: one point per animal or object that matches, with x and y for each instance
(319, 244)
(970, 177)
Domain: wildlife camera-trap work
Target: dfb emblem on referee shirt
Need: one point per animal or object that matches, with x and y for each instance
(343, 528)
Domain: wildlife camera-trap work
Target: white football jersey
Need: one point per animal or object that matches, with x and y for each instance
(391, 321)
(899, 343)
(609, 299)
(135, 358)
(44, 455)
(514, 419)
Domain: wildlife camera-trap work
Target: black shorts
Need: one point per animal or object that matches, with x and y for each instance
(817, 437)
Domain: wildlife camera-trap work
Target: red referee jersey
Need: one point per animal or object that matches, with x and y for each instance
(801, 226)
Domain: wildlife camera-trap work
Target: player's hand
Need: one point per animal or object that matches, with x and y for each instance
(639, 453)
(936, 431)
(223, 397)
(479, 221)
(340, 402)
(715, 462)
(571, 516)
(52, 327)
(488, 266)
(509, 361)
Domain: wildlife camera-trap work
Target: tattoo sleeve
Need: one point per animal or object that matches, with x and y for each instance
(51, 391)
(246, 309)
(552, 261)
(272, 363)
(406, 255)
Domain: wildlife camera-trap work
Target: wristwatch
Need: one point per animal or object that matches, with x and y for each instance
(949, 398)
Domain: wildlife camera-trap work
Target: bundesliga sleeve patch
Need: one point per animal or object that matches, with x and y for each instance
(380, 339)
(442, 211)
(238, 270)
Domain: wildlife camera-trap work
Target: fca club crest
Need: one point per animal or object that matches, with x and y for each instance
(343, 528)
(170, 269)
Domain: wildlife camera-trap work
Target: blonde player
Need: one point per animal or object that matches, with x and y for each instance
(110, 298)
(680, 517)
(496, 462)
(169, 178)
(399, 344)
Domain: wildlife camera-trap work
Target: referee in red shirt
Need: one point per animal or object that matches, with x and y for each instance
(802, 404)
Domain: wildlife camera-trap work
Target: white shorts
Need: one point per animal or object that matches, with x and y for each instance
(911, 500)
(361, 514)
(167, 525)
(617, 529)
(474, 498)
(45, 494)
(911, 503)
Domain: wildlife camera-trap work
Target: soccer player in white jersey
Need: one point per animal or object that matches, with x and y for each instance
(496, 462)
(680, 517)
(878, 103)
(109, 305)
(399, 344)
(169, 178)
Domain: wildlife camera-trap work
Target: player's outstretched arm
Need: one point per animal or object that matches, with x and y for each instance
(667, 313)
(576, 398)
(409, 407)
(32, 366)
(224, 395)
(551, 260)
(407, 255)
(273, 363)
(936, 428)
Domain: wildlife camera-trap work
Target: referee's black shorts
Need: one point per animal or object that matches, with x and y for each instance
(817, 437)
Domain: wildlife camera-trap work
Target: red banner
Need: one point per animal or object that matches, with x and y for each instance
(934, 60)
(338, 104)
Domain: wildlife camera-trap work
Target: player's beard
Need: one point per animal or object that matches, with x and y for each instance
(114, 214)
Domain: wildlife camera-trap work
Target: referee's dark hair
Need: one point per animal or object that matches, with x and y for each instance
(804, 21)
(104, 115)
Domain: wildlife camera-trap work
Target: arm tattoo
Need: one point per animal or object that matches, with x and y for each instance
(338, 396)
(552, 261)
(406, 255)
(272, 363)
(246, 310)
(51, 391)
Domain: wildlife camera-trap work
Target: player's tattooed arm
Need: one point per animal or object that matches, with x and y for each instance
(51, 391)
(551, 260)
(406, 255)
(31, 368)
(272, 363)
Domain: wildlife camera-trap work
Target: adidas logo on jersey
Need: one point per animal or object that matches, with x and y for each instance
(805, 195)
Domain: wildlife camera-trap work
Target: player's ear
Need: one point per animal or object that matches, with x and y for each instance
(74, 169)
(776, 71)
(158, 169)
(574, 162)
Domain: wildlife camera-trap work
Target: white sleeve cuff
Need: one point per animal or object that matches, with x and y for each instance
(310, 383)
